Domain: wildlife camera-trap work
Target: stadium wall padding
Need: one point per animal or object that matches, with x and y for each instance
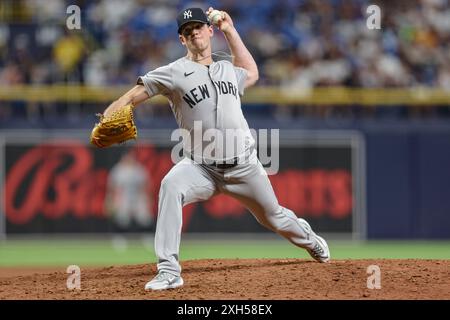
(408, 183)
(407, 172)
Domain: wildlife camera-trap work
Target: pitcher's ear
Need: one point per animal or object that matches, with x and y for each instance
(182, 40)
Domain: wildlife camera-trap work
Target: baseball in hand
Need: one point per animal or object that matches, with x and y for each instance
(215, 16)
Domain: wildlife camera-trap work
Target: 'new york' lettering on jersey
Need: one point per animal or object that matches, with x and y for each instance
(210, 94)
(196, 95)
(201, 92)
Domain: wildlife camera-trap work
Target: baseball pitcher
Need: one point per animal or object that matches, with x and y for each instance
(201, 90)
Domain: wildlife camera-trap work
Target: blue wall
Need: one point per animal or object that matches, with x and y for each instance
(433, 186)
(389, 185)
(408, 182)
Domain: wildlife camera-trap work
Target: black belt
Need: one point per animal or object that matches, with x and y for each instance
(220, 165)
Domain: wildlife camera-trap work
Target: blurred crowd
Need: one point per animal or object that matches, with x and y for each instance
(296, 43)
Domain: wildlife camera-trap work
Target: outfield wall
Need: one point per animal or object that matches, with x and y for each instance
(403, 189)
(55, 182)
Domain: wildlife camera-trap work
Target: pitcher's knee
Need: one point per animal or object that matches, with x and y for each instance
(171, 187)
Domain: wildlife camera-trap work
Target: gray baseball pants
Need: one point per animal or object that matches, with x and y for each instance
(189, 182)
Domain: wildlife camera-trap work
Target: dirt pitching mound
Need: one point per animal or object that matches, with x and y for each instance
(271, 279)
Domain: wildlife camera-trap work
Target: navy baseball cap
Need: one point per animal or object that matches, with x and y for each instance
(191, 15)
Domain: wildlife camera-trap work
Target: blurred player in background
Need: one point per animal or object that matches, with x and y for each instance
(128, 199)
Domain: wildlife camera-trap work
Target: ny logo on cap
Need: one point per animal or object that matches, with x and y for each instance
(187, 14)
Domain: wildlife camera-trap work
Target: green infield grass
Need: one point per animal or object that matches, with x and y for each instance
(120, 251)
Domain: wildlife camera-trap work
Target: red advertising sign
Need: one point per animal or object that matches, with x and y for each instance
(62, 187)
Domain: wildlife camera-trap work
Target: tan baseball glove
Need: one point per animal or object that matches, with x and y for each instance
(116, 128)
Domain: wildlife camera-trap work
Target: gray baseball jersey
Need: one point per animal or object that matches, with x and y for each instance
(210, 96)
